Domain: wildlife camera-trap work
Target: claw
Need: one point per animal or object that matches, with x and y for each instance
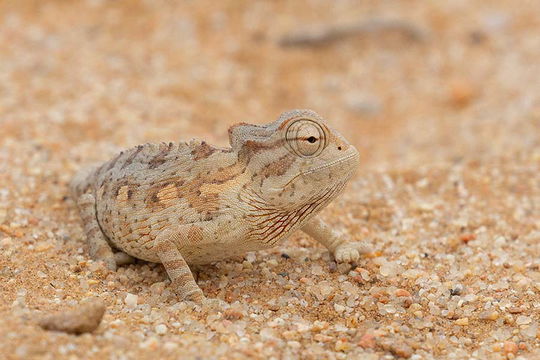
(197, 297)
(347, 253)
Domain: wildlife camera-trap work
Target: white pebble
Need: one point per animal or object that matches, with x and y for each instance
(323, 290)
(293, 344)
(161, 329)
(530, 331)
(272, 262)
(5, 242)
(317, 269)
(131, 300)
(251, 257)
(388, 269)
(170, 346)
(151, 344)
(523, 320)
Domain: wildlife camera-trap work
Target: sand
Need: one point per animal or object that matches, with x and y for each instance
(447, 194)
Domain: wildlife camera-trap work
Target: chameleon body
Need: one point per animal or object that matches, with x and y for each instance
(192, 203)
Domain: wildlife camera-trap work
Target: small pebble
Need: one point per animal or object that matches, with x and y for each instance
(322, 338)
(367, 341)
(462, 321)
(388, 269)
(272, 262)
(7, 241)
(157, 288)
(317, 270)
(161, 329)
(456, 290)
(461, 93)
(523, 320)
(170, 346)
(402, 293)
(131, 300)
(150, 344)
(79, 319)
(251, 257)
(467, 237)
(510, 347)
(396, 347)
(489, 315)
(342, 345)
(233, 314)
(293, 344)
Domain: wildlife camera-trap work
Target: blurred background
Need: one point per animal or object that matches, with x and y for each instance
(408, 82)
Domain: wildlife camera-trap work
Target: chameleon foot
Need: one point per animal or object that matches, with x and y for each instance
(349, 252)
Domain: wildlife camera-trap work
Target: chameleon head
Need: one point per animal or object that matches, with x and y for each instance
(297, 159)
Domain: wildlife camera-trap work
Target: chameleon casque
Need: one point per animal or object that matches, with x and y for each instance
(184, 204)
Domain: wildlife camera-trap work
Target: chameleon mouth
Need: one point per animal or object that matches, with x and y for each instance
(331, 163)
(322, 167)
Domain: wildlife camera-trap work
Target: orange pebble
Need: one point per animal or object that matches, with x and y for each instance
(510, 347)
(467, 237)
(367, 341)
(461, 93)
(402, 292)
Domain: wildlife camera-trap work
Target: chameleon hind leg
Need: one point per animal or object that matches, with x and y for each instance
(182, 280)
(121, 258)
(99, 248)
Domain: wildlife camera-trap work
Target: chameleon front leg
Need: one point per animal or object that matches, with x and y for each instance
(342, 249)
(99, 248)
(182, 280)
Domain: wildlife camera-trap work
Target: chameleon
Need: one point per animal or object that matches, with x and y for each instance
(190, 203)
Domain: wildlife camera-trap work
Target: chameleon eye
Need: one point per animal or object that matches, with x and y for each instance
(305, 137)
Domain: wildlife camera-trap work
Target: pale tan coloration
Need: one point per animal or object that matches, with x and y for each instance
(82, 318)
(192, 203)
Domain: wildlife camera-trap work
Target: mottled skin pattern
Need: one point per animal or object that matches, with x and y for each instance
(192, 203)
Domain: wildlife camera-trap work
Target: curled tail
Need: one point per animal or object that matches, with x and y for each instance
(82, 181)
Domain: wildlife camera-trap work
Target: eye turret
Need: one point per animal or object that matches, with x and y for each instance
(306, 138)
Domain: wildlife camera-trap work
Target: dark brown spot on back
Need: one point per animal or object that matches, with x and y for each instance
(164, 194)
(202, 151)
(132, 157)
(161, 157)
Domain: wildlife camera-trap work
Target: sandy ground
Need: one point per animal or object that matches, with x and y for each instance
(447, 195)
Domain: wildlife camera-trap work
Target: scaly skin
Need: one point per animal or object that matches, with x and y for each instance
(192, 203)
